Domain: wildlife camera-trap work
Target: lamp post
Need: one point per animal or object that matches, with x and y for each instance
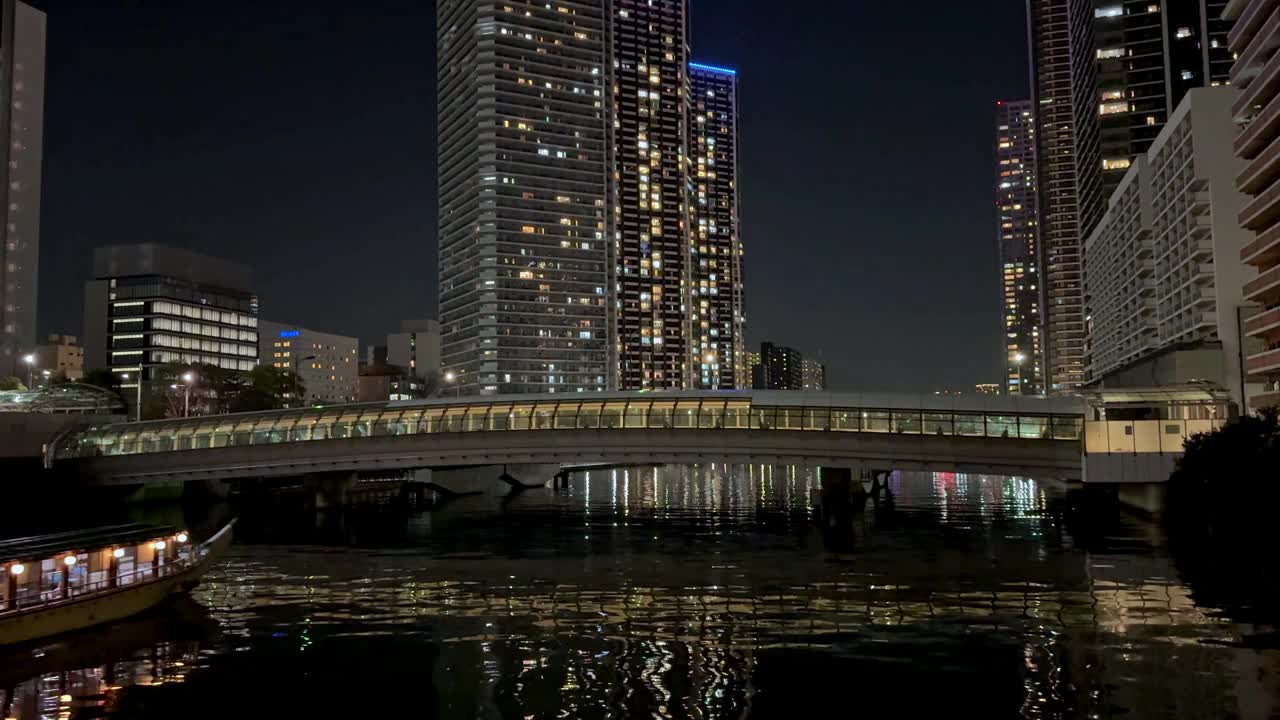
(30, 360)
(295, 375)
(187, 379)
(138, 404)
(449, 377)
(46, 375)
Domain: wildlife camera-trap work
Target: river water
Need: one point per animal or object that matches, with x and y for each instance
(687, 592)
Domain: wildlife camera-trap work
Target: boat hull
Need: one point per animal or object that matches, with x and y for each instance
(46, 621)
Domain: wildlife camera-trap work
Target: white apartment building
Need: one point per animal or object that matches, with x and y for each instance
(1163, 273)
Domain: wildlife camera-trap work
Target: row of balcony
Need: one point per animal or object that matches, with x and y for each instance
(1261, 38)
(1264, 289)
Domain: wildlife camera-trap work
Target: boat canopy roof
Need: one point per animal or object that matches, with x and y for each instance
(44, 546)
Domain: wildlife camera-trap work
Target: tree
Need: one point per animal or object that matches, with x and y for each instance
(11, 383)
(102, 378)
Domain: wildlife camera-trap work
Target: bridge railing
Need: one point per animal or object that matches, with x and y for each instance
(356, 421)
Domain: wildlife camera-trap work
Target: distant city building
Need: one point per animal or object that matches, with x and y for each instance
(1162, 270)
(1149, 54)
(416, 348)
(599, 245)
(780, 368)
(1064, 87)
(813, 375)
(328, 365)
(61, 355)
(1254, 41)
(374, 355)
(523, 185)
(987, 388)
(1018, 248)
(150, 305)
(715, 249)
(22, 55)
(383, 383)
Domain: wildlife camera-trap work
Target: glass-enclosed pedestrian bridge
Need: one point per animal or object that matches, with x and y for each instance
(1050, 420)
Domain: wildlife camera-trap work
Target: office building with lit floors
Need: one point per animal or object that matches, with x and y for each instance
(523, 180)
(416, 348)
(1069, 181)
(1162, 269)
(1255, 41)
(1018, 248)
(328, 365)
(22, 54)
(715, 250)
(150, 305)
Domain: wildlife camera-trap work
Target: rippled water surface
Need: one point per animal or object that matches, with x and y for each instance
(698, 592)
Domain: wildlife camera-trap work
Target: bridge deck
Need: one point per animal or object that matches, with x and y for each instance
(1051, 420)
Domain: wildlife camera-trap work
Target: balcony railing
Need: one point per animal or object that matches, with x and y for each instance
(1264, 362)
(1263, 286)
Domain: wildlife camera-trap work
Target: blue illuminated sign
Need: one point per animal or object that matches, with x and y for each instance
(713, 68)
(290, 333)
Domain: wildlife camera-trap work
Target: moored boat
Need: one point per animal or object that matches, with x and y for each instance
(54, 584)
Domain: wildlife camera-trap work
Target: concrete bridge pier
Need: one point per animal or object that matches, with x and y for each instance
(330, 488)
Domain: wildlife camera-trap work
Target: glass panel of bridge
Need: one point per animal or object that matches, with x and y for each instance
(1067, 428)
(412, 419)
(1033, 427)
(454, 417)
(202, 434)
(220, 433)
(363, 426)
(182, 435)
(789, 419)
(242, 431)
(938, 424)
(817, 418)
(147, 440)
(521, 417)
(737, 415)
(612, 414)
(906, 421)
(711, 414)
(499, 417)
(544, 416)
(282, 431)
(875, 421)
(387, 422)
(566, 415)
(432, 420)
(1002, 426)
(660, 413)
(637, 413)
(686, 414)
(844, 419)
(259, 431)
(477, 416)
(589, 415)
(763, 418)
(971, 425)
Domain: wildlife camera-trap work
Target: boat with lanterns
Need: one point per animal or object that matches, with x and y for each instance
(68, 581)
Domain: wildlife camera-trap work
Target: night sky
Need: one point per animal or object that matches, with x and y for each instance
(298, 137)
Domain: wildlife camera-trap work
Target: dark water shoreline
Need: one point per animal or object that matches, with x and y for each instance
(693, 592)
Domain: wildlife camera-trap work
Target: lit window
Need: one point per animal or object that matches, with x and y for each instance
(1109, 11)
(1105, 53)
(1112, 108)
(1183, 32)
(1116, 163)
(1187, 74)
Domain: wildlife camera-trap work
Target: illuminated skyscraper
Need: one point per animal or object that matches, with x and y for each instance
(588, 221)
(1149, 54)
(716, 250)
(22, 31)
(522, 183)
(1064, 87)
(1018, 246)
(649, 89)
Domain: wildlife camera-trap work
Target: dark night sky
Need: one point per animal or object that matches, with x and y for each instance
(298, 137)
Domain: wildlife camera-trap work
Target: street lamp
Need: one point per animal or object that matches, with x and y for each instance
(46, 375)
(449, 377)
(30, 360)
(138, 404)
(295, 376)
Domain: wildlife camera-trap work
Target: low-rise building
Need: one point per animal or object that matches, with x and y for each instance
(1163, 273)
(150, 305)
(62, 356)
(813, 374)
(416, 348)
(326, 364)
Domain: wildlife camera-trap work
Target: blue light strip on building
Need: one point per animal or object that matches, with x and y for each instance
(713, 68)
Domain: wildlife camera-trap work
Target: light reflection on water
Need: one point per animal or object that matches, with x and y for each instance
(705, 591)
